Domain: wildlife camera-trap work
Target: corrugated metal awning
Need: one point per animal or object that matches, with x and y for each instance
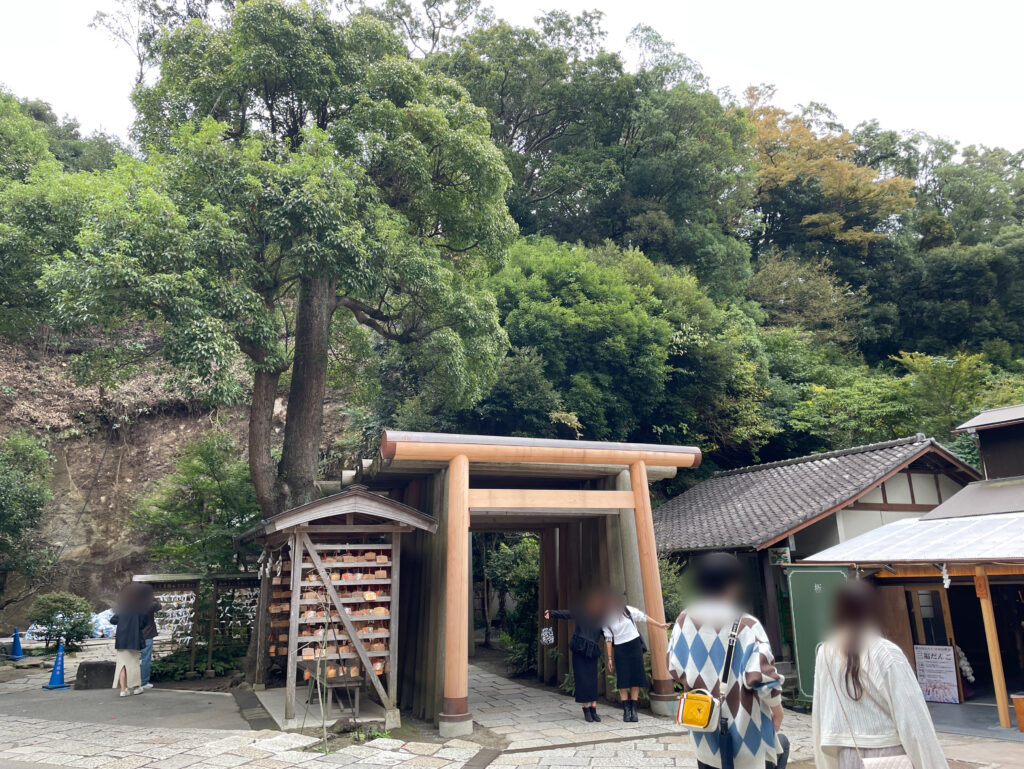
(998, 537)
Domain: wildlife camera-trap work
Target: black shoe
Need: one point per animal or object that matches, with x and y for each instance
(633, 717)
(626, 715)
(593, 715)
(588, 714)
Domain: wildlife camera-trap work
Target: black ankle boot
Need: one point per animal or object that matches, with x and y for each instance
(593, 715)
(626, 716)
(633, 712)
(588, 714)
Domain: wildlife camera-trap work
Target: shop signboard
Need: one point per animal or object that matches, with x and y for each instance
(936, 673)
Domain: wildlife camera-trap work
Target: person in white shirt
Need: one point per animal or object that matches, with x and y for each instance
(867, 702)
(626, 652)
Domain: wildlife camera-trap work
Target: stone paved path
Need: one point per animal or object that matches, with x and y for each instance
(538, 729)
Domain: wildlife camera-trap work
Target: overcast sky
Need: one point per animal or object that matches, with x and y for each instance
(948, 68)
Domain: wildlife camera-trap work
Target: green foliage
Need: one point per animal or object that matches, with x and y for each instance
(651, 159)
(195, 512)
(174, 666)
(23, 142)
(608, 345)
(676, 589)
(515, 570)
(64, 617)
(25, 469)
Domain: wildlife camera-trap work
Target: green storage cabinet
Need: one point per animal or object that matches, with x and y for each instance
(812, 592)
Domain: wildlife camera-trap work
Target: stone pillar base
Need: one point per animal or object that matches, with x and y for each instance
(455, 725)
(664, 704)
(392, 719)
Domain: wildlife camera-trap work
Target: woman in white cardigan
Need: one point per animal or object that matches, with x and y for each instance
(867, 702)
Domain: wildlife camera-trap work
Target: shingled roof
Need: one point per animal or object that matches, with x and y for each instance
(758, 505)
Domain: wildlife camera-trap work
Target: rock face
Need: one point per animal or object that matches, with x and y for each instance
(109, 449)
(95, 675)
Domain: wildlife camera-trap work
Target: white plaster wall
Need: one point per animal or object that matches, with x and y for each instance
(897, 490)
(925, 492)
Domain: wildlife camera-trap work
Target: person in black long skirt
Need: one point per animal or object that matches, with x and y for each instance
(626, 652)
(585, 646)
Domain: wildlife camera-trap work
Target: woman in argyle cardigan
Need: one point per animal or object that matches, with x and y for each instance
(753, 696)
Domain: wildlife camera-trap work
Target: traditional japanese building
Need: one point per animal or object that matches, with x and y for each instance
(953, 581)
(772, 514)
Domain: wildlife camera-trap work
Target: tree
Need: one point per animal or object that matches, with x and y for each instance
(943, 391)
(23, 141)
(608, 345)
(807, 294)
(651, 159)
(297, 165)
(193, 516)
(64, 618)
(868, 408)
(514, 569)
(25, 468)
(73, 151)
(811, 192)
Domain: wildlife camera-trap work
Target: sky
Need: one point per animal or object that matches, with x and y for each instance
(947, 68)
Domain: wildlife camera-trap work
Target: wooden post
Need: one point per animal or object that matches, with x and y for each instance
(396, 573)
(772, 621)
(988, 616)
(262, 626)
(632, 581)
(563, 629)
(549, 598)
(295, 553)
(213, 629)
(662, 696)
(455, 719)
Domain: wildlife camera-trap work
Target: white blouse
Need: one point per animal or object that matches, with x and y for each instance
(620, 629)
(891, 712)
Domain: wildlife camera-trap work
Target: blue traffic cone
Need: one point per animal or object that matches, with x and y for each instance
(16, 652)
(57, 676)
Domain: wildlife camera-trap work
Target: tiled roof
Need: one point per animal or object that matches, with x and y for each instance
(754, 505)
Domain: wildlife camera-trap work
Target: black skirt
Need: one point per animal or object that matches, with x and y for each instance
(629, 665)
(584, 674)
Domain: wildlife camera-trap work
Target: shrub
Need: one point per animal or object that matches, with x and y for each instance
(63, 617)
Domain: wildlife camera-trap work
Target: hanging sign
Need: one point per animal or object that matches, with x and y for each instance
(936, 673)
(779, 556)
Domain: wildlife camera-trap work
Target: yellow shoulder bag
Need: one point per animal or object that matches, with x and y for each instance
(698, 710)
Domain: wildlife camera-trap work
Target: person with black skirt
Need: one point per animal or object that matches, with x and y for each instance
(626, 653)
(585, 646)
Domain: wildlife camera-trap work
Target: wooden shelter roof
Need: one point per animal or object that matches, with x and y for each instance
(356, 500)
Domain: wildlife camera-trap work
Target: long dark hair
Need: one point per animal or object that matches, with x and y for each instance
(856, 614)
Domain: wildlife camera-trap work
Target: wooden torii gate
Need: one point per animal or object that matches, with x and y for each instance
(459, 451)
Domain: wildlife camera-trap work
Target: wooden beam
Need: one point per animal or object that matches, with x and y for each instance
(663, 692)
(988, 616)
(455, 704)
(898, 507)
(481, 448)
(548, 499)
(916, 572)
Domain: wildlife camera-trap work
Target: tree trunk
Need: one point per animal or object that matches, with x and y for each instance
(261, 463)
(304, 417)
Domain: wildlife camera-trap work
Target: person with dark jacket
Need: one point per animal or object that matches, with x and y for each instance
(130, 619)
(585, 646)
(149, 631)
